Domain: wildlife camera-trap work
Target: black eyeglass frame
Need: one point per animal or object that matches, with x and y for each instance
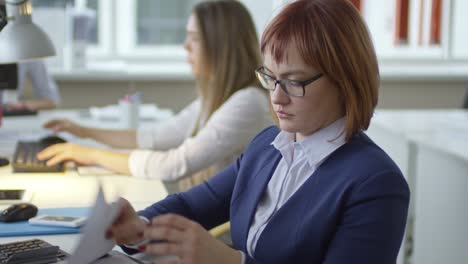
(281, 82)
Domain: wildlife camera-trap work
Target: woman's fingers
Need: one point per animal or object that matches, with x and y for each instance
(172, 220)
(63, 156)
(164, 233)
(128, 227)
(51, 151)
(56, 125)
(162, 249)
(64, 152)
(125, 233)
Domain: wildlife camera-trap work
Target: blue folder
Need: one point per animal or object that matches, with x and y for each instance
(25, 229)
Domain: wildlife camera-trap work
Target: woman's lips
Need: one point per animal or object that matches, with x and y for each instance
(282, 114)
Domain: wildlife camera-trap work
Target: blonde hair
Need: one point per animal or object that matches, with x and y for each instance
(230, 51)
(230, 55)
(331, 36)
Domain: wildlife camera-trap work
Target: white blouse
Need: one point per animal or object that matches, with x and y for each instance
(172, 153)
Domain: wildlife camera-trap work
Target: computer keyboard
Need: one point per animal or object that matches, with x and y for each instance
(24, 159)
(18, 112)
(34, 251)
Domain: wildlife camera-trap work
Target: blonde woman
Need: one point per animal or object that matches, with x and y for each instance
(223, 51)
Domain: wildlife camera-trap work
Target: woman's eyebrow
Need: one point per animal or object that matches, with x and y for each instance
(288, 73)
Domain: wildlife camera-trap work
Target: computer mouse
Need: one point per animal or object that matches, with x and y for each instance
(51, 140)
(4, 162)
(18, 212)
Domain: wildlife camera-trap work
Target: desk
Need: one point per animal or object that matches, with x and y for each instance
(72, 190)
(68, 189)
(431, 148)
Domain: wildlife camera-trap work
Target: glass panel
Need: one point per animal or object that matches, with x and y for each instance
(51, 16)
(94, 26)
(161, 21)
(91, 4)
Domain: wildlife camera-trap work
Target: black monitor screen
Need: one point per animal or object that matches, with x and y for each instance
(11, 194)
(3, 20)
(8, 76)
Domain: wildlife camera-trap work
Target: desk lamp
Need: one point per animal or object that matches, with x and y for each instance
(21, 39)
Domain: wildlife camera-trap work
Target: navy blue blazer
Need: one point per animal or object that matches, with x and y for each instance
(352, 209)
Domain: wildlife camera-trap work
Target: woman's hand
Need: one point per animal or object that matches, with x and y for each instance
(68, 151)
(128, 228)
(187, 240)
(65, 125)
(17, 106)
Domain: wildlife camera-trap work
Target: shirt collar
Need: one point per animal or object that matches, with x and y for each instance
(317, 146)
(284, 143)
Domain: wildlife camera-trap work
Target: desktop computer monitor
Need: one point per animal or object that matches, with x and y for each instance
(8, 81)
(8, 72)
(8, 76)
(3, 21)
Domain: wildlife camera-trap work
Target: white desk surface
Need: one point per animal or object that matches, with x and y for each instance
(72, 190)
(444, 130)
(67, 189)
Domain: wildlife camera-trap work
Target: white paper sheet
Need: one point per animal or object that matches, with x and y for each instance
(94, 170)
(93, 243)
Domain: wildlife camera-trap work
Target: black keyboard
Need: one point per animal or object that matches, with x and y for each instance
(18, 112)
(24, 159)
(34, 251)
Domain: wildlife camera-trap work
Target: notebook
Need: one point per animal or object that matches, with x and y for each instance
(25, 229)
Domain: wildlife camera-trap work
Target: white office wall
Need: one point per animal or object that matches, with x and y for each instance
(261, 12)
(460, 30)
(421, 94)
(83, 94)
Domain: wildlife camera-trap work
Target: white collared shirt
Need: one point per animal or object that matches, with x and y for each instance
(299, 161)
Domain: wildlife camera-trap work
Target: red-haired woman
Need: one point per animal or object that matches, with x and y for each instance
(315, 189)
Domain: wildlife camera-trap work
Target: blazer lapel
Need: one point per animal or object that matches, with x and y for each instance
(256, 190)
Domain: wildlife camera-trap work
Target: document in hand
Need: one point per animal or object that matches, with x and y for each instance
(93, 243)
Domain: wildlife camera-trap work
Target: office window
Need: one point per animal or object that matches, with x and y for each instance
(121, 30)
(94, 27)
(101, 31)
(61, 6)
(161, 22)
(152, 29)
(53, 17)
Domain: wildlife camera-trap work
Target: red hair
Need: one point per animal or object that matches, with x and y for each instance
(332, 37)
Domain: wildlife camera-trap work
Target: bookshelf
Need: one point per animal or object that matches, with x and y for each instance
(418, 30)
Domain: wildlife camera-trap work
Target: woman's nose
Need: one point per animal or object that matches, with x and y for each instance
(279, 96)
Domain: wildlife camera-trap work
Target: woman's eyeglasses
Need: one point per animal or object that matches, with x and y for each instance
(290, 87)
